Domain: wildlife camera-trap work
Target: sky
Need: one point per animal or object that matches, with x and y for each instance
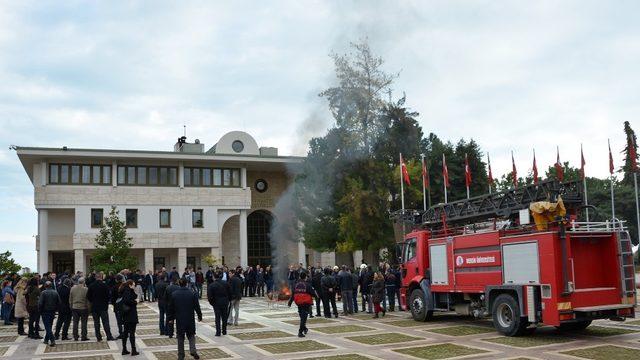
(512, 75)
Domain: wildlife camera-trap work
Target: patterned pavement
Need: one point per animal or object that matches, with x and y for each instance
(267, 332)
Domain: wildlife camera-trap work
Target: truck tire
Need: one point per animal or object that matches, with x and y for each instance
(418, 305)
(506, 316)
(574, 326)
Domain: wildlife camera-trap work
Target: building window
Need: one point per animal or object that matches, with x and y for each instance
(132, 218)
(237, 146)
(65, 174)
(147, 175)
(191, 262)
(96, 218)
(196, 218)
(211, 177)
(165, 218)
(158, 262)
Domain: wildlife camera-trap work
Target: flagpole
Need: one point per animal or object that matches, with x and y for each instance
(401, 185)
(584, 185)
(635, 182)
(445, 181)
(613, 209)
(424, 188)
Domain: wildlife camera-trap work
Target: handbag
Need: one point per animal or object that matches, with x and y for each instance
(8, 299)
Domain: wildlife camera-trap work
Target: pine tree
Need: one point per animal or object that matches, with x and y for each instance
(630, 141)
(113, 247)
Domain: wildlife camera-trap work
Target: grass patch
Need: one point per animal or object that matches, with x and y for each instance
(462, 330)
(3, 350)
(339, 357)
(386, 338)
(529, 341)
(280, 316)
(405, 323)
(605, 352)
(246, 325)
(634, 322)
(164, 341)
(338, 329)
(259, 335)
(602, 331)
(205, 354)
(440, 351)
(8, 339)
(294, 346)
(314, 321)
(74, 346)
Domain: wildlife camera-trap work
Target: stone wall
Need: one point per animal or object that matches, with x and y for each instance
(231, 241)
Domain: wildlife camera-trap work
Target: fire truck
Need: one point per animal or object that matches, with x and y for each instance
(484, 256)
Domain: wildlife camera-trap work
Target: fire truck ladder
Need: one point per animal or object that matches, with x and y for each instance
(627, 268)
(503, 204)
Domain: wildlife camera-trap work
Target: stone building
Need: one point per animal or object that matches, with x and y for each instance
(178, 205)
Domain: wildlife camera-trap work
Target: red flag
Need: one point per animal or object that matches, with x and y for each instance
(405, 173)
(632, 154)
(582, 163)
(445, 172)
(559, 167)
(425, 174)
(535, 169)
(467, 171)
(514, 172)
(611, 168)
(490, 174)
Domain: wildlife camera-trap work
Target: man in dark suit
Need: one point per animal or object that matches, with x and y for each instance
(98, 296)
(64, 311)
(235, 283)
(218, 294)
(182, 305)
(168, 330)
(160, 291)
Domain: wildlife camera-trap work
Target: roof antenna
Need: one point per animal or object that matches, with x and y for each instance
(185, 129)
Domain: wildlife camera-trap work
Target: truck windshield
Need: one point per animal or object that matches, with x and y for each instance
(409, 249)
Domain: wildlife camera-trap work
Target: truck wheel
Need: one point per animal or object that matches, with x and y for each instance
(506, 316)
(418, 305)
(574, 326)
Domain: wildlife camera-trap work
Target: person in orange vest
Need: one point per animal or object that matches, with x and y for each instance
(303, 294)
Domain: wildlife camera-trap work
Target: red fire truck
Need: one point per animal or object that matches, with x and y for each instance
(484, 257)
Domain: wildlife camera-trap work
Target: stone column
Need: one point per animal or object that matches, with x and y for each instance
(43, 239)
(328, 258)
(148, 260)
(302, 249)
(243, 177)
(182, 259)
(114, 173)
(357, 258)
(44, 173)
(181, 175)
(79, 260)
(244, 252)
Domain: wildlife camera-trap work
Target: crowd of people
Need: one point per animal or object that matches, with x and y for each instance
(63, 301)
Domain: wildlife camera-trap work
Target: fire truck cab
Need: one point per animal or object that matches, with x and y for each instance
(522, 277)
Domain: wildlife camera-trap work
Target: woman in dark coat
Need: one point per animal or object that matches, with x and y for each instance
(377, 294)
(129, 314)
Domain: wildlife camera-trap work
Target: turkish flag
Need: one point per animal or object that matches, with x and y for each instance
(514, 172)
(490, 173)
(405, 173)
(425, 173)
(535, 169)
(582, 163)
(611, 168)
(445, 172)
(632, 154)
(467, 171)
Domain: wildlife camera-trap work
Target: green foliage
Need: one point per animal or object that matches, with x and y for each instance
(210, 259)
(7, 264)
(113, 246)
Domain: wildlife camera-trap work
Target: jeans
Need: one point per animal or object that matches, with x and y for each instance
(104, 316)
(347, 301)
(222, 313)
(354, 296)
(234, 306)
(163, 318)
(329, 298)
(129, 332)
(118, 321)
(318, 302)
(34, 323)
(6, 313)
(398, 297)
(63, 322)
(199, 287)
(47, 319)
(269, 286)
(303, 311)
(192, 344)
(20, 326)
(81, 315)
(260, 288)
(391, 294)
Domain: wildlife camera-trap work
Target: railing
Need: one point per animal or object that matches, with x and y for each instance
(598, 226)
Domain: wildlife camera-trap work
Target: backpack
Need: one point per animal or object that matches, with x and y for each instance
(300, 294)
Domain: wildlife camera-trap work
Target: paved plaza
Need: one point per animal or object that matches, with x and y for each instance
(269, 332)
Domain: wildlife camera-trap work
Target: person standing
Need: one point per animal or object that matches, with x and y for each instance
(218, 294)
(346, 289)
(64, 310)
(21, 305)
(79, 308)
(259, 281)
(303, 294)
(199, 281)
(377, 293)
(147, 286)
(8, 301)
(47, 306)
(235, 285)
(161, 291)
(292, 276)
(268, 279)
(170, 325)
(390, 283)
(354, 293)
(32, 297)
(209, 276)
(115, 294)
(316, 282)
(328, 283)
(129, 311)
(182, 306)
(368, 281)
(98, 296)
